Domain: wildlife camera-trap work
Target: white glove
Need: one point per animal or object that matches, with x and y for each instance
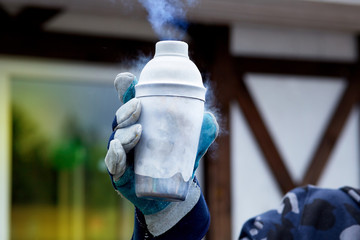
(127, 132)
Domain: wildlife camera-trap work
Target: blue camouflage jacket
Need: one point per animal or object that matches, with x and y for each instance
(305, 213)
(309, 213)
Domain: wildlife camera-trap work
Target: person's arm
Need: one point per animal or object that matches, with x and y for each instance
(154, 219)
(309, 213)
(193, 225)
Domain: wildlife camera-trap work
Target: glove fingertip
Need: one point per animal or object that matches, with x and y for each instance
(209, 132)
(210, 127)
(128, 114)
(122, 83)
(130, 91)
(130, 136)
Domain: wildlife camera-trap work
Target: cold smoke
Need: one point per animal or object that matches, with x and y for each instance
(212, 105)
(168, 17)
(136, 65)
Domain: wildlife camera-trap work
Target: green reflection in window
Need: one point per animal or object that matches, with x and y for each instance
(60, 187)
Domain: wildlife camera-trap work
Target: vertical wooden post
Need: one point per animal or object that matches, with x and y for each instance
(212, 55)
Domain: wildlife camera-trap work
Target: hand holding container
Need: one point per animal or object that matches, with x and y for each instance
(172, 98)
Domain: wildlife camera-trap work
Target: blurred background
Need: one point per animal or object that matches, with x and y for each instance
(283, 78)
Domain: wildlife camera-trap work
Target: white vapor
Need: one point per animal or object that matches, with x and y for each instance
(164, 14)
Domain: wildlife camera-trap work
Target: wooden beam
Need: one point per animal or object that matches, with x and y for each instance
(210, 45)
(349, 99)
(28, 19)
(294, 67)
(333, 131)
(73, 47)
(266, 144)
(23, 35)
(31, 17)
(305, 68)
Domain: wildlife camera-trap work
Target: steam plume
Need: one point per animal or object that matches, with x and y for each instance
(212, 105)
(168, 17)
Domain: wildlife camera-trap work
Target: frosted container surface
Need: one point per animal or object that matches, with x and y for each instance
(172, 97)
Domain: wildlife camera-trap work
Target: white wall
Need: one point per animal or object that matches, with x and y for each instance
(253, 188)
(296, 111)
(294, 43)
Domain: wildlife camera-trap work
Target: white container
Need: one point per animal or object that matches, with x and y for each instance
(172, 98)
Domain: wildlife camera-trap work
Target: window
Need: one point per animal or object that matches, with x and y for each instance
(61, 120)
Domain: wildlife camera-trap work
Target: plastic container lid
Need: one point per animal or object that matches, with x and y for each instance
(171, 73)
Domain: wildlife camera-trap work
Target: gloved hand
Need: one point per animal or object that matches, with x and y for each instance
(126, 134)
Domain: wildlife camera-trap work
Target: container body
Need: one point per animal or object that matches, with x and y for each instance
(165, 155)
(172, 100)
